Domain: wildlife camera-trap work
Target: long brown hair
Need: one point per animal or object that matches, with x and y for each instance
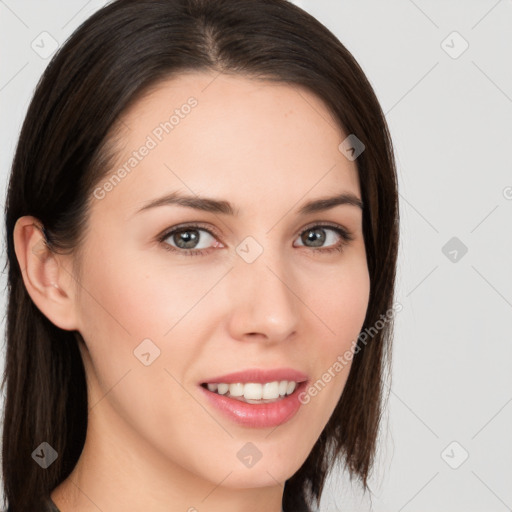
(65, 148)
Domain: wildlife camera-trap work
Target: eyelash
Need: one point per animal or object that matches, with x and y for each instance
(346, 238)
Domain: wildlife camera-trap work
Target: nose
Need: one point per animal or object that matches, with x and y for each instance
(264, 304)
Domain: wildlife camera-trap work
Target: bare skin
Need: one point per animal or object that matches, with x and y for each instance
(153, 442)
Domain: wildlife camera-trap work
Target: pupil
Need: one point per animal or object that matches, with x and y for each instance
(184, 236)
(317, 238)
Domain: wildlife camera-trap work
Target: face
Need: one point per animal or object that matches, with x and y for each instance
(260, 291)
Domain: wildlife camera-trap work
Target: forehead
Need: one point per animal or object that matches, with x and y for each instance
(228, 136)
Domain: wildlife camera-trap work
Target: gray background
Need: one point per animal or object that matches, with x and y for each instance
(446, 441)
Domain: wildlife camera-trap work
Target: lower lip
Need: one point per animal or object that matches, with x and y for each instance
(257, 415)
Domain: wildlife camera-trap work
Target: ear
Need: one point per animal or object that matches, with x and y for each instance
(47, 279)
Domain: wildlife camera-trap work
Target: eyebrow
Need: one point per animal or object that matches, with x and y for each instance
(225, 207)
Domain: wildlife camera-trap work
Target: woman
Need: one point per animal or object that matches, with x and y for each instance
(202, 230)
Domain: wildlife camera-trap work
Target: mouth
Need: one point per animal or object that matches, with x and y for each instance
(254, 392)
(256, 398)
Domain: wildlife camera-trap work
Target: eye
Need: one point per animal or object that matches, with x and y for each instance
(185, 239)
(316, 235)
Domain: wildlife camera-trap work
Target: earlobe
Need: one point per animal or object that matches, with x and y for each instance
(46, 279)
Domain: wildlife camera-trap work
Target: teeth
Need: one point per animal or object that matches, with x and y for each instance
(251, 391)
(270, 390)
(236, 389)
(222, 389)
(291, 388)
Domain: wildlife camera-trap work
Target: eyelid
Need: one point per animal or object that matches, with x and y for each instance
(326, 224)
(188, 225)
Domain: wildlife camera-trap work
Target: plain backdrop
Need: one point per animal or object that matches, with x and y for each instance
(442, 71)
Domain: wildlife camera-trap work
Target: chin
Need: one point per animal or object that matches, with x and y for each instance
(255, 477)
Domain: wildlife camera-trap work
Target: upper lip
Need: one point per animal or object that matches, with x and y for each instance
(259, 375)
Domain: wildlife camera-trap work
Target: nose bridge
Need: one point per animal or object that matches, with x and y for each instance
(262, 291)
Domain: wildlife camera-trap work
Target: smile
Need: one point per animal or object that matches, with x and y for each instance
(254, 392)
(256, 398)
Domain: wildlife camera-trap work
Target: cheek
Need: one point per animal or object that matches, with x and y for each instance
(126, 303)
(343, 303)
(135, 299)
(129, 302)
(119, 308)
(342, 310)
